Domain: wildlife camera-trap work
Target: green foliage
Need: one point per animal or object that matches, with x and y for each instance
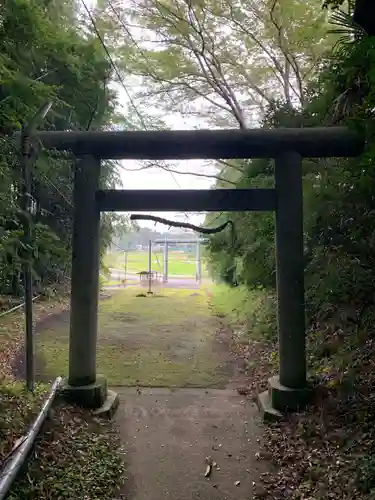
(61, 60)
(220, 61)
(255, 308)
(366, 474)
(338, 198)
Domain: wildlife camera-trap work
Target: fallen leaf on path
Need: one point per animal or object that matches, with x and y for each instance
(208, 470)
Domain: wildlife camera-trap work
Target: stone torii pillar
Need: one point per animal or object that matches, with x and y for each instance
(84, 386)
(288, 390)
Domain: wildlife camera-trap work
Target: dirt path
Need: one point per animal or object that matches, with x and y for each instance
(168, 340)
(182, 407)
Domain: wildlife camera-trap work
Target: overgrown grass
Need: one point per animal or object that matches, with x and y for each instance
(253, 315)
(18, 408)
(178, 262)
(12, 332)
(161, 340)
(253, 312)
(74, 453)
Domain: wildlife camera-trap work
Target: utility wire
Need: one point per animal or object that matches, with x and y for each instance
(216, 218)
(118, 246)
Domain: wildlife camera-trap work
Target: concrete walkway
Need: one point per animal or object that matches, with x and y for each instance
(167, 434)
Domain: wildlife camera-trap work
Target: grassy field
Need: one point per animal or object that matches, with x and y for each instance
(164, 340)
(178, 262)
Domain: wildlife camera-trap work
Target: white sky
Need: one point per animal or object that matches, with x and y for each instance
(156, 178)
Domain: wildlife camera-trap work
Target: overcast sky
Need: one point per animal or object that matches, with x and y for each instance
(157, 178)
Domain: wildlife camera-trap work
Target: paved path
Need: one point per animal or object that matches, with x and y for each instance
(168, 433)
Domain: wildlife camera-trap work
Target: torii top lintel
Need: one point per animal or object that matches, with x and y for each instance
(208, 144)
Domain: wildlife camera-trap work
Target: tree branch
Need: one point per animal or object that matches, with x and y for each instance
(261, 45)
(229, 165)
(178, 172)
(288, 55)
(216, 81)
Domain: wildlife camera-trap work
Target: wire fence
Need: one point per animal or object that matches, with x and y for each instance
(19, 306)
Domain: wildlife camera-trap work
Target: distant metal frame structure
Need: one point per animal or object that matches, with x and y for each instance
(198, 262)
(286, 146)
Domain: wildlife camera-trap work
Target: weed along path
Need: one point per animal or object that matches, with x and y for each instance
(168, 357)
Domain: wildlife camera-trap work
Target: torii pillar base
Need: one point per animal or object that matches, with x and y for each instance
(94, 396)
(279, 400)
(90, 396)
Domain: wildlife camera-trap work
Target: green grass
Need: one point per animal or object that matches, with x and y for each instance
(97, 467)
(178, 262)
(165, 341)
(18, 408)
(252, 311)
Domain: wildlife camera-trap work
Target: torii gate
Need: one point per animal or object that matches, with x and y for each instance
(289, 389)
(198, 262)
